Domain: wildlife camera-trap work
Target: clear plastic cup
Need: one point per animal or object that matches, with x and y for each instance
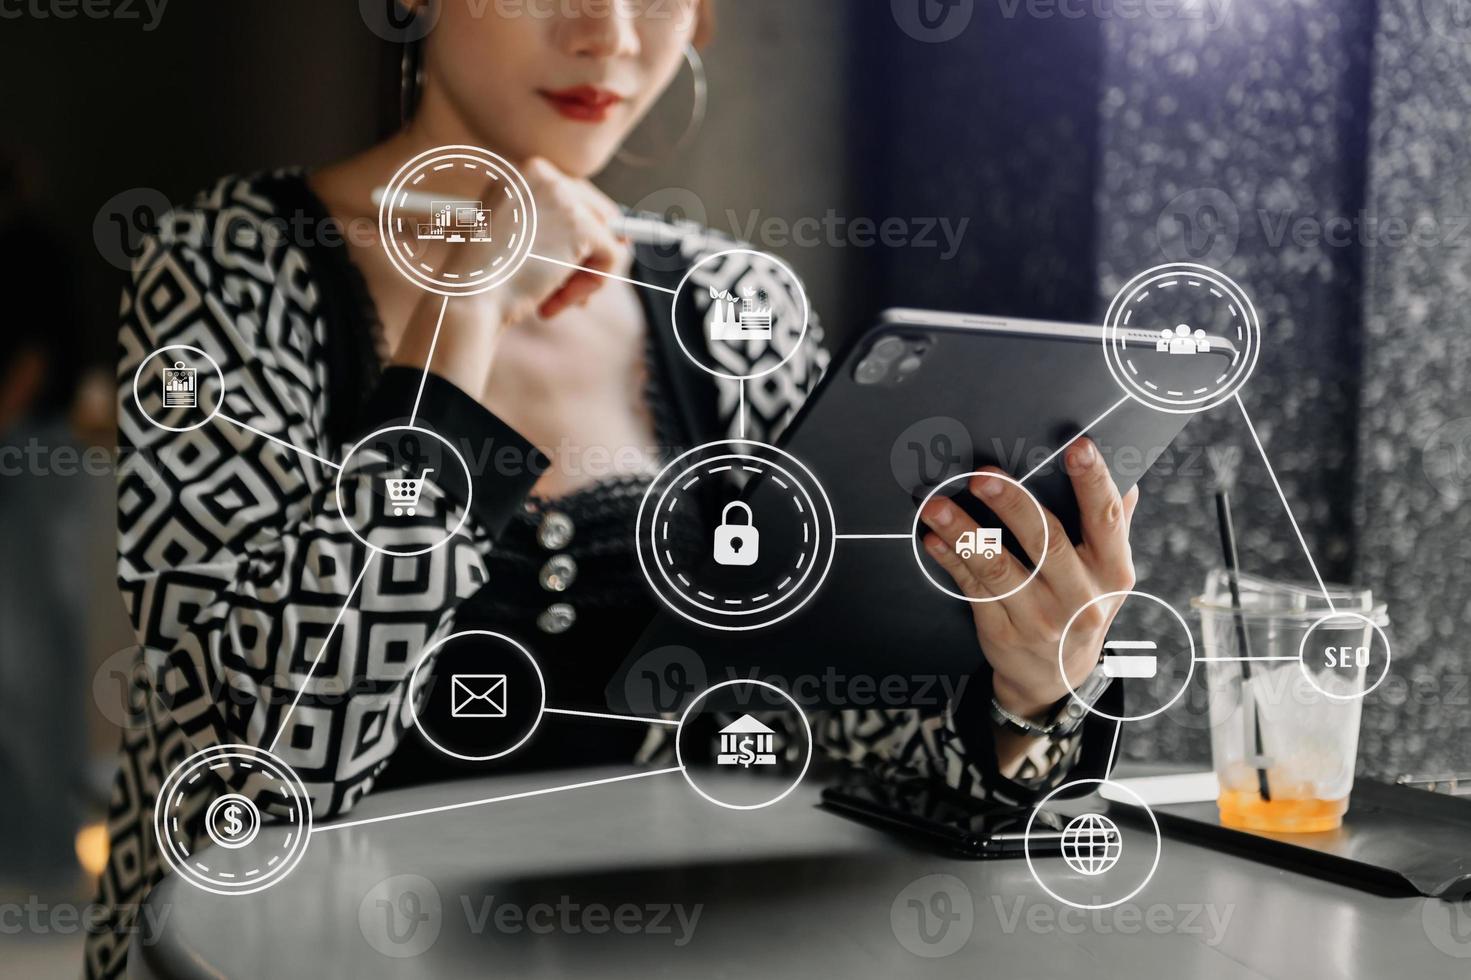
(1287, 735)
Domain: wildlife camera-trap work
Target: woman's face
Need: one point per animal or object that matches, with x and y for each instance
(561, 79)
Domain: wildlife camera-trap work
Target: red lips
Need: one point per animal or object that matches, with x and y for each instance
(582, 103)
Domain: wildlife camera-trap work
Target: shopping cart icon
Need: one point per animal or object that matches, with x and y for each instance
(403, 495)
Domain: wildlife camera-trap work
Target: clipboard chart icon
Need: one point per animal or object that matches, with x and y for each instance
(1128, 659)
(180, 386)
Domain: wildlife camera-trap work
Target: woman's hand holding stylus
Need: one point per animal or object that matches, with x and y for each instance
(1019, 634)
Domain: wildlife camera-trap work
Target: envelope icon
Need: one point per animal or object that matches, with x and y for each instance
(477, 695)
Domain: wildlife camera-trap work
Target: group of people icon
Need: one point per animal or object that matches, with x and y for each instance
(1182, 341)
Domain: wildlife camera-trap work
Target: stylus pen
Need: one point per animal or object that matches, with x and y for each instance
(649, 231)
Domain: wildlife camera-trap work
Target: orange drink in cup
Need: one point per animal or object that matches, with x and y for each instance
(1284, 730)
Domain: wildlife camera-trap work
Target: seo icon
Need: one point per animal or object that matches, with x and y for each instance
(1345, 655)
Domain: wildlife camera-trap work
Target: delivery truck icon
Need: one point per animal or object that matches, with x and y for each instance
(984, 541)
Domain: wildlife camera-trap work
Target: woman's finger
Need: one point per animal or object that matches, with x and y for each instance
(1104, 516)
(991, 577)
(1041, 536)
(596, 250)
(1131, 501)
(991, 617)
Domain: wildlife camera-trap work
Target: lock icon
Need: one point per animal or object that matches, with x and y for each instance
(737, 544)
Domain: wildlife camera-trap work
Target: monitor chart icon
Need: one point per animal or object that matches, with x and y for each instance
(456, 221)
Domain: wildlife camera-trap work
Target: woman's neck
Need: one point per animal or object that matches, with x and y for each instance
(347, 185)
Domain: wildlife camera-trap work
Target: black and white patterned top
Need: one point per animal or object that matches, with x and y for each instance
(234, 560)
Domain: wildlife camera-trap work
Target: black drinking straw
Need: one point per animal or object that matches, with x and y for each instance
(1233, 579)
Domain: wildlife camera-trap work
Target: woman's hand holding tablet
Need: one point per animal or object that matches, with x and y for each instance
(1020, 631)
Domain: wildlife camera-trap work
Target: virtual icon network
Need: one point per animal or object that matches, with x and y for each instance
(478, 695)
(747, 742)
(785, 570)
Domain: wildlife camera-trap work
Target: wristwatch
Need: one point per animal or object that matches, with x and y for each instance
(1063, 719)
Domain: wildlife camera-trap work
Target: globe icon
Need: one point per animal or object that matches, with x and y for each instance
(1091, 844)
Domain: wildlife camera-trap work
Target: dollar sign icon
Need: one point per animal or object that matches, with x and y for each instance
(232, 821)
(745, 755)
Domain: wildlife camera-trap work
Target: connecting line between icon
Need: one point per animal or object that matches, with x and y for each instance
(277, 440)
(321, 651)
(428, 361)
(674, 723)
(1285, 505)
(494, 799)
(1118, 729)
(1081, 432)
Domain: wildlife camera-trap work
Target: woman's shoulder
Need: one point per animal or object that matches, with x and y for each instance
(704, 268)
(238, 221)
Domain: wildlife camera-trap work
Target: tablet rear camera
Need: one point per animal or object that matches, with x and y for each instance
(891, 361)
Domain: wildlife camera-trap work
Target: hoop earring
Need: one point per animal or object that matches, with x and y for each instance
(697, 115)
(410, 80)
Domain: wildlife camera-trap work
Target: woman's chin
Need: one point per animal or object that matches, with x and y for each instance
(583, 159)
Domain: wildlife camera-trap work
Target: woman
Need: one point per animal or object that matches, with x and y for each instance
(235, 563)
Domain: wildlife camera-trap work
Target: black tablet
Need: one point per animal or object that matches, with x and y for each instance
(914, 404)
(938, 817)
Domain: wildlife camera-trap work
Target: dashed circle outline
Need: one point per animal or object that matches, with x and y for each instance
(640, 543)
(1099, 782)
(1125, 296)
(464, 513)
(220, 801)
(914, 537)
(541, 682)
(1302, 648)
(503, 169)
(219, 403)
(805, 573)
(684, 770)
(1126, 593)
(293, 789)
(679, 291)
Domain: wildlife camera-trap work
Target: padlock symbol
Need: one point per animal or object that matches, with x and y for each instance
(737, 544)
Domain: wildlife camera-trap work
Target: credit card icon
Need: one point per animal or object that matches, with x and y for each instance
(1118, 662)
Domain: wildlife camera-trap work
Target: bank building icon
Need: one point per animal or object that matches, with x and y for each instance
(746, 742)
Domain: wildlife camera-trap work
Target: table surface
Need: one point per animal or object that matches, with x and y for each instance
(594, 881)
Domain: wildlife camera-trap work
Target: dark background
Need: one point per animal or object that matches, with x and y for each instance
(1292, 144)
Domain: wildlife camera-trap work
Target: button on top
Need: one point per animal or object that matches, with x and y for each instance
(558, 574)
(555, 531)
(556, 618)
